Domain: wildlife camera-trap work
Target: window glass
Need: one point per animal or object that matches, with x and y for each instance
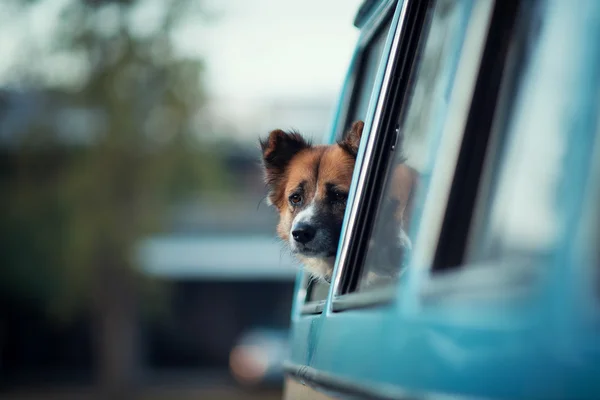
(317, 290)
(369, 65)
(522, 213)
(419, 130)
(366, 75)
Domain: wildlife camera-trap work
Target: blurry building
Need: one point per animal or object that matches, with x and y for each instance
(228, 273)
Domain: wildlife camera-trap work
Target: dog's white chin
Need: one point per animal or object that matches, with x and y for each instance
(319, 267)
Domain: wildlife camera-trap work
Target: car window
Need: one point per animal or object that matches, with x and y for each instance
(419, 128)
(368, 66)
(519, 215)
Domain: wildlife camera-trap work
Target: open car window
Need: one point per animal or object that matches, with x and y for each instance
(368, 65)
(419, 127)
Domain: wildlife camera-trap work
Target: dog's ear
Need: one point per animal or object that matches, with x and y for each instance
(277, 151)
(352, 140)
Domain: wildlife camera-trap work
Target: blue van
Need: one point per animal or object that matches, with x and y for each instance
(496, 105)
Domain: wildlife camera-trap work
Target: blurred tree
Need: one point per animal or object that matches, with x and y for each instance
(73, 210)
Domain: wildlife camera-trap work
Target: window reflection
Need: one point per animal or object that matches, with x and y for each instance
(521, 214)
(367, 74)
(391, 241)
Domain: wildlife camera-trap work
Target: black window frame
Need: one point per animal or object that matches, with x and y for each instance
(380, 149)
(380, 18)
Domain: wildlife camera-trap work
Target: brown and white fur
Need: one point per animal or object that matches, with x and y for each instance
(309, 187)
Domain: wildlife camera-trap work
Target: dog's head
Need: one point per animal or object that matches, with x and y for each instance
(309, 187)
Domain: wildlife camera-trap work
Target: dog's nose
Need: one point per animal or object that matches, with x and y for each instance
(303, 233)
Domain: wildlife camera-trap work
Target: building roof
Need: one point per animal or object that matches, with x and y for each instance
(217, 258)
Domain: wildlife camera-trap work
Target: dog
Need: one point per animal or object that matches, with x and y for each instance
(308, 185)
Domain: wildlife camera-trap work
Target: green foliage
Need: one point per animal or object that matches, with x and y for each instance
(71, 211)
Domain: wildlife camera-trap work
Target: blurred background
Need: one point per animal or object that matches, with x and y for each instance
(138, 259)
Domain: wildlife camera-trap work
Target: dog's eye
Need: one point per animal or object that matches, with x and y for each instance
(295, 199)
(339, 196)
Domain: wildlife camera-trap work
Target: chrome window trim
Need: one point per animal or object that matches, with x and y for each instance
(375, 22)
(340, 265)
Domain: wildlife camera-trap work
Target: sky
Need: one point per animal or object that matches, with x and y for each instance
(274, 64)
(253, 49)
(272, 48)
(268, 62)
